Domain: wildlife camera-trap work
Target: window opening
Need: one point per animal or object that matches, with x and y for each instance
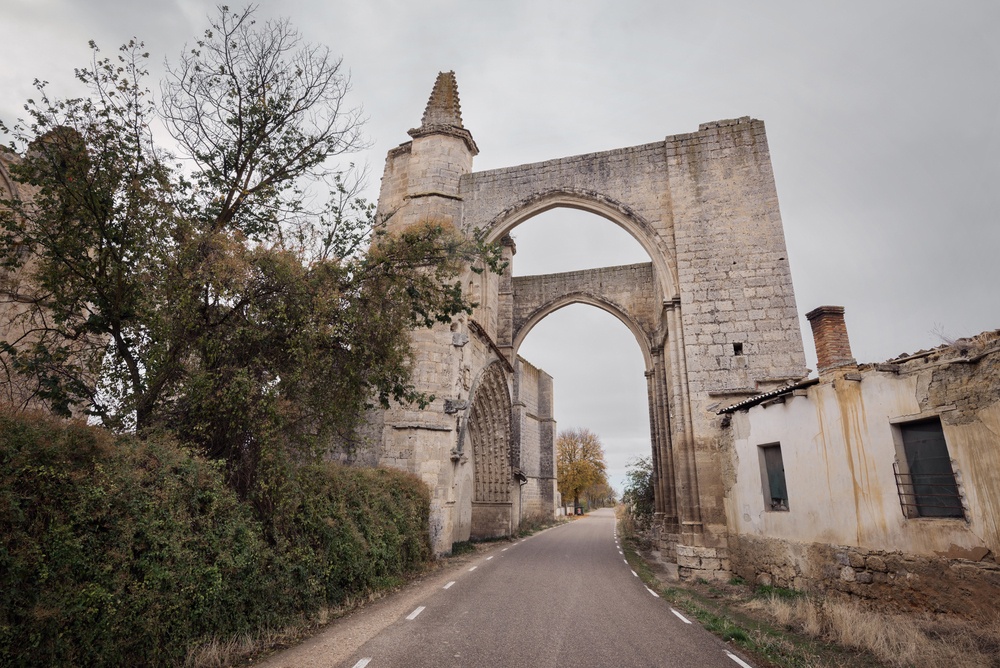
(925, 479)
(773, 470)
(737, 349)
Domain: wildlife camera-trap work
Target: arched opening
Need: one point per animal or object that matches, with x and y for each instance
(598, 364)
(633, 224)
(565, 239)
(489, 432)
(599, 383)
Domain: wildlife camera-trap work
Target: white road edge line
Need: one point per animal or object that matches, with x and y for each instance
(505, 549)
(683, 618)
(364, 662)
(447, 586)
(738, 660)
(472, 569)
(489, 557)
(635, 574)
(413, 615)
(656, 595)
(625, 560)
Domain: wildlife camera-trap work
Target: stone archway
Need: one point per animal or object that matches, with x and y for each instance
(714, 310)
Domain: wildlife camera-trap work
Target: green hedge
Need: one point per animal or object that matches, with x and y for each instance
(117, 551)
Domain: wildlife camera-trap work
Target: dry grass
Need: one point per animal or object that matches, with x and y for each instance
(217, 653)
(897, 640)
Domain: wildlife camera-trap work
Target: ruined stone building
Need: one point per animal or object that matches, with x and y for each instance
(875, 480)
(713, 313)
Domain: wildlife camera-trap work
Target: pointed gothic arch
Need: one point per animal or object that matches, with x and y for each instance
(489, 435)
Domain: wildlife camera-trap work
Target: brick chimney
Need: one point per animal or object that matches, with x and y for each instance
(833, 348)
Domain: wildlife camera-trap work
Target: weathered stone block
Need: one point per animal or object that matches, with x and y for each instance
(875, 563)
(708, 563)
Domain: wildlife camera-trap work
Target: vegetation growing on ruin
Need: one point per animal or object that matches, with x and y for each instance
(225, 314)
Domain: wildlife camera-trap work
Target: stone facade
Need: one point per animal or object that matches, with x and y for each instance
(857, 519)
(20, 321)
(535, 432)
(713, 311)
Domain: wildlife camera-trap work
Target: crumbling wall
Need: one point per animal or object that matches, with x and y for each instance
(887, 579)
(845, 530)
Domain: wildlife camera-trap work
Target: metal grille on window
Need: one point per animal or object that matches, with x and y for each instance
(926, 481)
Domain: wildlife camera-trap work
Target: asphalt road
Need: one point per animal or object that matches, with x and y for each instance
(563, 597)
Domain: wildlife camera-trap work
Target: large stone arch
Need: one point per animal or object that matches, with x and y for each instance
(626, 292)
(641, 337)
(597, 203)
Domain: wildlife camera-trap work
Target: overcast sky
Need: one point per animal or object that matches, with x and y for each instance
(883, 120)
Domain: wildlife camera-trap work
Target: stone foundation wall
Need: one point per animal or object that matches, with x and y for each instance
(880, 578)
(708, 563)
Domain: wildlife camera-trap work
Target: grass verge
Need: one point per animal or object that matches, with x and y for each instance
(779, 627)
(766, 644)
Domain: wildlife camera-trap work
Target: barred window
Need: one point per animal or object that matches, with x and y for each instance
(925, 478)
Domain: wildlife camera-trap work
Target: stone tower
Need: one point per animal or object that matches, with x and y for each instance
(467, 445)
(421, 179)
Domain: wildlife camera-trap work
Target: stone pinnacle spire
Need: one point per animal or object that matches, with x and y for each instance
(443, 114)
(443, 107)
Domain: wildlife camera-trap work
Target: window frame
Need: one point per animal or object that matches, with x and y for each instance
(913, 503)
(766, 477)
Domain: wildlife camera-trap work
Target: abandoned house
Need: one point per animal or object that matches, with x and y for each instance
(880, 481)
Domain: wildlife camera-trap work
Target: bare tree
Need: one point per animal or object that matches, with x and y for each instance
(258, 111)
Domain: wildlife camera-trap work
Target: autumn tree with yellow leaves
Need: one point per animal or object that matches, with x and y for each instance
(580, 463)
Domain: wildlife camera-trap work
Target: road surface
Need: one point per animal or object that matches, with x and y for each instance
(563, 597)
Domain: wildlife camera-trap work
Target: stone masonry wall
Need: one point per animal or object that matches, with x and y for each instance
(629, 289)
(881, 578)
(534, 429)
(732, 265)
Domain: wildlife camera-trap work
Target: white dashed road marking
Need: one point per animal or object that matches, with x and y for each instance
(364, 662)
(738, 660)
(472, 569)
(653, 593)
(448, 585)
(488, 558)
(505, 549)
(635, 574)
(680, 616)
(413, 615)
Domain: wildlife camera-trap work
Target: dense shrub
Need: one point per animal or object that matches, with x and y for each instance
(116, 551)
